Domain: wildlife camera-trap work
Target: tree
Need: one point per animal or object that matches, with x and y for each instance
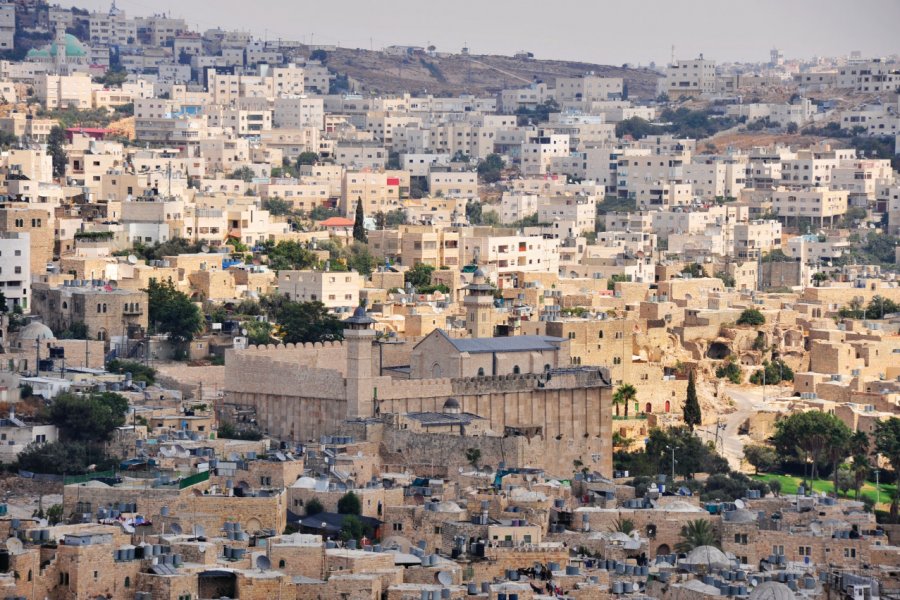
(244, 174)
(887, 443)
(761, 457)
(792, 128)
(139, 371)
(693, 269)
(490, 218)
(772, 373)
(419, 275)
(624, 394)
(314, 507)
(307, 158)
(806, 436)
(276, 206)
(77, 330)
(349, 504)
(490, 168)
(63, 458)
(694, 534)
(621, 525)
(359, 223)
(727, 280)
(730, 370)
(4, 308)
(352, 528)
(289, 255)
(308, 322)
(171, 312)
(692, 414)
(55, 148)
(473, 455)
(88, 417)
(751, 316)
(693, 456)
(819, 277)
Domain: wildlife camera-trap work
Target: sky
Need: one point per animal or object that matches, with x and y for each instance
(597, 31)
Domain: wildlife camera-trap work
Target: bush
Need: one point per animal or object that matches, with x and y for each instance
(731, 371)
(752, 317)
(772, 373)
(139, 371)
(314, 507)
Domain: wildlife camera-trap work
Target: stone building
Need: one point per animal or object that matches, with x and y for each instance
(300, 392)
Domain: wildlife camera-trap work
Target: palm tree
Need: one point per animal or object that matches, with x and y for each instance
(620, 525)
(696, 533)
(624, 394)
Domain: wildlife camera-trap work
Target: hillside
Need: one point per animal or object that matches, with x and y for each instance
(455, 74)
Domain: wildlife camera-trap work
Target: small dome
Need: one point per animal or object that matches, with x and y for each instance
(478, 276)
(707, 555)
(360, 311)
(452, 406)
(772, 590)
(35, 331)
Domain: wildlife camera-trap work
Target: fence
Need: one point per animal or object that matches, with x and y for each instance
(193, 480)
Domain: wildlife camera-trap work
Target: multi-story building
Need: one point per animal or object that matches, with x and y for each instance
(106, 311)
(334, 289)
(15, 269)
(819, 204)
(753, 238)
(688, 78)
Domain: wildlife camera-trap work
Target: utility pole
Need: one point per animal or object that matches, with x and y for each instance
(672, 449)
(877, 489)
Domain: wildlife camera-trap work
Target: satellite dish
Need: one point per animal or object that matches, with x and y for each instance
(204, 248)
(199, 531)
(43, 522)
(14, 546)
(164, 511)
(132, 259)
(445, 578)
(175, 528)
(243, 332)
(739, 504)
(263, 563)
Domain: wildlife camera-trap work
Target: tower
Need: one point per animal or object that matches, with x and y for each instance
(479, 303)
(358, 337)
(60, 43)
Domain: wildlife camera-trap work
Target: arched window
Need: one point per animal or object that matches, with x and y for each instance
(516, 370)
(128, 582)
(547, 367)
(481, 371)
(649, 408)
(436, 370)
(281, 564)
(65, 305)
(29, 574)
(668, 406)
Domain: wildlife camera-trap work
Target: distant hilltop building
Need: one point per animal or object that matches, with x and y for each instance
(63, 53)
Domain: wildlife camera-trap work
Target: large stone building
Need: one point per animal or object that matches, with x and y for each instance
(300, 392)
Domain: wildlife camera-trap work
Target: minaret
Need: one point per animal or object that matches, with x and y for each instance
(358, 337)
(479, 303)
(60, 42)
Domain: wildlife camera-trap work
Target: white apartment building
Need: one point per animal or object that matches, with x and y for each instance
(539, 149)
(873, 75)
(688, 78)
(296, 112)
(453, 184)
(7, 25)
(755, 237)
(334, 289)
(419, 165)
(515, 207)
(588, 88)
(15, 269)
(819, 204)
(811, 249)
(576, 214)
(507, 254)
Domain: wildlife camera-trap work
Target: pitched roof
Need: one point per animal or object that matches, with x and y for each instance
(516, 343)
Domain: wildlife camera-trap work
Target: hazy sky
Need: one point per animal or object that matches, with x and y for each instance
(599, 31)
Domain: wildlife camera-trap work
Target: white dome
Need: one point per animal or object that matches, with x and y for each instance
(772, 590)
(305, 483)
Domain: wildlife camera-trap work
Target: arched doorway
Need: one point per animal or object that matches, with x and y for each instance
(663, 550)
(648, 408)
(668, 406)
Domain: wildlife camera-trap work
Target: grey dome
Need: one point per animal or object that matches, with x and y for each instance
(35, 331)
(707, 555)
(772, 590)
(452, 405)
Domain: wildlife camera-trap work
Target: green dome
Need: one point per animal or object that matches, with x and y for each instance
(74, 49)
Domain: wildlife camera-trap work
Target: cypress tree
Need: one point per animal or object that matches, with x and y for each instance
(692, 416)
(359, 229)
